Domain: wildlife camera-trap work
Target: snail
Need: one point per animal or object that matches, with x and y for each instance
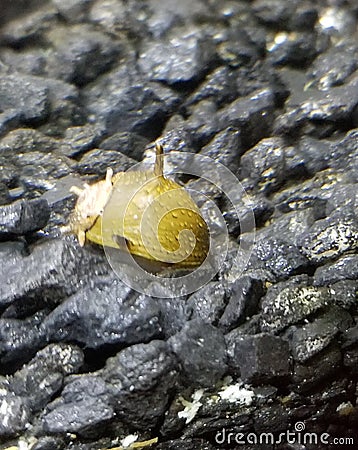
(153, 216)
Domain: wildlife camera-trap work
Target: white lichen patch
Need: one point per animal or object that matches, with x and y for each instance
(332, 241)
(191, 407)
(129, 440)
(237, 393)
(292, 305)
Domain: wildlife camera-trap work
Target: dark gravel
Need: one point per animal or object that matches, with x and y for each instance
(269, 89)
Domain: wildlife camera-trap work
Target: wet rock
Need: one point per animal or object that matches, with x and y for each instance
(256, 206)
(104, 315)
(202, 123)
(47, 369)
(334, 66)
(4, 194)
(329, 238)
(25, 95)
(260, 77)
(289, 302)
(134, 108)
(14, 415)
(299, 206)
(48, 443)
(243, 302)
(20, 338)
(140, 376)
(273, 417)
(186, 57)
(78, 140)
(23, 217)
(350, 341)
(173, 314)
(290, 226)
(73, 10)
(344, 156)
(297, 49)
(267, 165)
(137, 377)
(90, 410)
(279, 257)
(237, 49)
(97, 162)
(65, 107)
(262, 358)
(30, 62)
(344, 198)
(225, 148)
(130, 18)
(288, 15)
(201, 351)
(26, 140)
(252, 115)
(130, 144)
(208, 303)
(345, 268)
(53, 270)
(317, 111)
(23, 29)
(250, 327)
(9, 120)
(316, 370)
(36, 179)
(81, 53)
(309, 339)
(162, 18)
(219, 86)
(344, 293)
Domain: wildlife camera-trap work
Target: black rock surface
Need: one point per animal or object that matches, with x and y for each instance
(267, 89)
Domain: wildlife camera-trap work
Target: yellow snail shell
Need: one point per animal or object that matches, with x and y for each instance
(154, 216)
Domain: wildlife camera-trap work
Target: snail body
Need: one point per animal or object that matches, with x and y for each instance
(153, 216)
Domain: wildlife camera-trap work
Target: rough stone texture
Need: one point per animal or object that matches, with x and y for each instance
(52, 271)
(202, 365)
(252, 115)
(21, 218)
(279, 257)
(289, 302)
(344, 268)
(268, 88)
(131, 381)
(262, 358)
(172, 62)
(311, 338)
(25, 95)
(104, 316)
(329, 238)
(208, 303)
(244, 296)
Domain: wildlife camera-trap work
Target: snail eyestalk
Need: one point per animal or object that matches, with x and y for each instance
(158, 165)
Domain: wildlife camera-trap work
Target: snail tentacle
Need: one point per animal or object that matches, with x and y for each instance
(158, 166)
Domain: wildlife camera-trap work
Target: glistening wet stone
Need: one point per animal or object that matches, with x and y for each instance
(51, 272)
(202, 365)
(22, 217)
(269, 89)
(262, 358)
(104, 316)
(125, 388)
